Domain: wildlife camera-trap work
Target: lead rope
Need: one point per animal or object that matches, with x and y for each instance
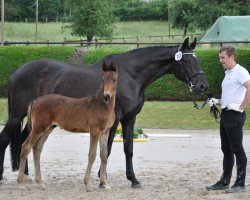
(214, 111)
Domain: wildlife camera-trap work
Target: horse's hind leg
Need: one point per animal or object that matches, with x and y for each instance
(11, 130)
(26, 148)
(37, 149)
(94, 135)
(103, 140)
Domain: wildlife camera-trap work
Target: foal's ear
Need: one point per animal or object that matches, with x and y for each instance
(105, 67)
(113, 66)
(193, 44)
(185, 44)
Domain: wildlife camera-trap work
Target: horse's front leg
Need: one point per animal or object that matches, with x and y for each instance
(94, 135)
(103, 141)
(127, 132)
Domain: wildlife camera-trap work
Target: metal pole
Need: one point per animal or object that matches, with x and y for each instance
(2, 22)
(36, 20)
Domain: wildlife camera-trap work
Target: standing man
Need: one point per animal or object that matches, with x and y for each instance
(234, 99)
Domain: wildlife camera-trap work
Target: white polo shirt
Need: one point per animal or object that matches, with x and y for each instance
(233, 90)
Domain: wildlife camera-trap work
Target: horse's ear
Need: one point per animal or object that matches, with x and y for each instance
(104, 67)
(114, 66)
(185, 43)
(193, 44)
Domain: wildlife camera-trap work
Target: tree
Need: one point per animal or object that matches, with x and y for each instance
(208, 11)
(182, 14)
(92, 18)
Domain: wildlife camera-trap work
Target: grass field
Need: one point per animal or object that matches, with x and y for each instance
(168, 115)
(53, 31)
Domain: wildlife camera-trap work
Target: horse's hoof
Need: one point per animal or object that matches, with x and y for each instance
(105, 186)
(136, 185)
(21, 187)
(89, 189)
(41, 186)
(27, 179)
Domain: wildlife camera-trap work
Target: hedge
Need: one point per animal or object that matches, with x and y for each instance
(169, 88)
(165, 88)
(13, 57)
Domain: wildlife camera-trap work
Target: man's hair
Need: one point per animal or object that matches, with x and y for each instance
(230, 51)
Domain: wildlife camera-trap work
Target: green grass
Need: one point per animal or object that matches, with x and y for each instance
(53, 31)
(155, 114)
(3, 110)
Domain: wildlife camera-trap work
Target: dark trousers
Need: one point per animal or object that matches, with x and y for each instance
(231, 133)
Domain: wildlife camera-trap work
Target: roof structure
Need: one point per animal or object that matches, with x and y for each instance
(229, 28)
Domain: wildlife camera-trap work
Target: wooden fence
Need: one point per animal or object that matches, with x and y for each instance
(123, 41)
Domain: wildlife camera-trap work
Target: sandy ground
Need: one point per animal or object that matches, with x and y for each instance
(168, 167)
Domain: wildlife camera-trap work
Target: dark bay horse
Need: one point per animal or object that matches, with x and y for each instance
(137, 70)
(93, 114)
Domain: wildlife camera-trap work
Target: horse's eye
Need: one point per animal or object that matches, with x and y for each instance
(114, 80)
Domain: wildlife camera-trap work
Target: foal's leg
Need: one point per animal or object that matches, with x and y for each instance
(103, 141)
(94, 135)
(37, 149)
(26, 148)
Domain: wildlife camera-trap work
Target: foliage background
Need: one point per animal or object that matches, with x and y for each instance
(165, 88)
(13, 57)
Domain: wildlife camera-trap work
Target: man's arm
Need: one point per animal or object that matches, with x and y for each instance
(246, 100)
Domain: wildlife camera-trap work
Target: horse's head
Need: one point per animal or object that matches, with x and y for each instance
(188, 68)
(109, 81)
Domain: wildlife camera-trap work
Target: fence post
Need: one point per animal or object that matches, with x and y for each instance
(64, 41)
(96, 41)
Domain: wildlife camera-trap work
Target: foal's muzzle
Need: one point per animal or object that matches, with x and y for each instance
(106, 97)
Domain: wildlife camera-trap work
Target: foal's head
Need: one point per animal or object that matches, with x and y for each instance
(109, 81)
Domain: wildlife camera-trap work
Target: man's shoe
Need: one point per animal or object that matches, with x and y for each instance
(236, 189)
(217, 186)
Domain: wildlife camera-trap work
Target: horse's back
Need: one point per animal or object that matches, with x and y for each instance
(46, 76)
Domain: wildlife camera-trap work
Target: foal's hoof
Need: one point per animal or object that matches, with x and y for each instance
(21, 187)
(104, 186)
(27, 179)
(89, 189)
(41, 186)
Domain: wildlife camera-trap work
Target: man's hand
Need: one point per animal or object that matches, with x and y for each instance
(212, 101)
(235, 107)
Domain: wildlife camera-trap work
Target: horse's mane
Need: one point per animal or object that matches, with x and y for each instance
(140, 50)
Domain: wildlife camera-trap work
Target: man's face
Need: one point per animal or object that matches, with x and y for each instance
(226, 60)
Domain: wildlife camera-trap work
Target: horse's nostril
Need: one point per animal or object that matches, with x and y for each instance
(203, 87)
(106, 97)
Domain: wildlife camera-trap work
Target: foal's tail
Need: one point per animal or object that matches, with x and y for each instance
(29, 122)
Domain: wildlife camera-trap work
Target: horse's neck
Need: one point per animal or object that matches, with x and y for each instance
(151, 64)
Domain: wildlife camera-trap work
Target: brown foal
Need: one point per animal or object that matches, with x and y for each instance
(94, 114)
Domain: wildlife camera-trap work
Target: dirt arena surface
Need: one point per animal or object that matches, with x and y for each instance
(173, 164)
